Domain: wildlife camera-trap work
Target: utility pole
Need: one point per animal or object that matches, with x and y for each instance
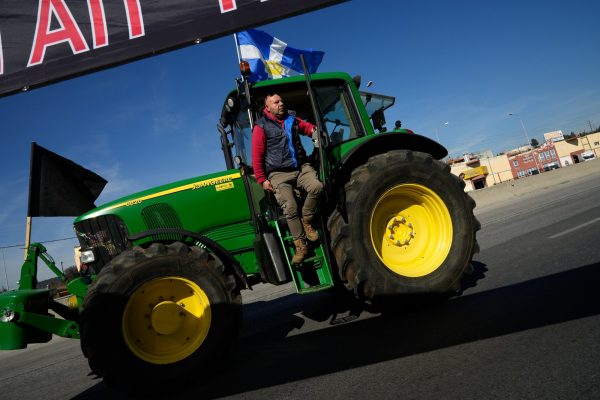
(590, 124)
(491, 171)
(588, 142)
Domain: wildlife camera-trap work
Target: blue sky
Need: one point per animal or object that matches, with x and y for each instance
(469, 63)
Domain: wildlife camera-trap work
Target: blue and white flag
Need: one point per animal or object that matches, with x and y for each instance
(270, 58)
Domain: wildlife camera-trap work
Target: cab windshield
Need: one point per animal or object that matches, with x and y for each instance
(376, 102)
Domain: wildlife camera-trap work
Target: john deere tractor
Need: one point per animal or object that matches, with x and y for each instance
(158, 296)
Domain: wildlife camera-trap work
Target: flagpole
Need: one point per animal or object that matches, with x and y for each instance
(245, 81)
(28, 223)
(237, 48)
(27, 236)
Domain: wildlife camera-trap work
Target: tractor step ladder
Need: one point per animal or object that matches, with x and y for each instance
(313, 274)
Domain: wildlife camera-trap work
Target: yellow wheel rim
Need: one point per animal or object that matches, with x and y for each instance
(411, 230)
(166, 320)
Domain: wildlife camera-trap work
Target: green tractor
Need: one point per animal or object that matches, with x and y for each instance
(158, 296)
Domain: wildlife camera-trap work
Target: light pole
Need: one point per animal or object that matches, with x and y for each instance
(437, 131)
(526, 137)
(522, 126)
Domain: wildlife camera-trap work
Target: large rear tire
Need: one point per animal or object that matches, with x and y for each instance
(156, 317)
(408, 228)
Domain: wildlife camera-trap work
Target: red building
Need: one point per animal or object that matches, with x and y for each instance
(534, 161)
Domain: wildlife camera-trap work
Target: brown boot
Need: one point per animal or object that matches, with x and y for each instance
(301, 251)
(311, 233)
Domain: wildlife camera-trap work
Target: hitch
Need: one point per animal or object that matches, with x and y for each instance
(24, 316)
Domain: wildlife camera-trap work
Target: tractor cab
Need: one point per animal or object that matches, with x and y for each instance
(339, 119)
(339, 122)
(344, 113)
(337, 112)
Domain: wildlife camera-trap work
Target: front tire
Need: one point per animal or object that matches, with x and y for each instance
(408, 228)
(159, 316)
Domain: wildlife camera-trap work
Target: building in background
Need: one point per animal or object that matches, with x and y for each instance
(481, 170)
(523, 164)
(499, 168)
(484, 169)
(554, 136)
(577, 149)
(534, 161)
(547, 157)
(593, 141)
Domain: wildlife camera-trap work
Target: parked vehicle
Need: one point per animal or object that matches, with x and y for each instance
(588, 155)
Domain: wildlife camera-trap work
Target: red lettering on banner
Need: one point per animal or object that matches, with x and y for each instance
(227, 5)
(44, 37)
(134, 18)
(98, 22)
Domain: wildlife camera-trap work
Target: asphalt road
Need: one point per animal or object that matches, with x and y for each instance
(527, 327)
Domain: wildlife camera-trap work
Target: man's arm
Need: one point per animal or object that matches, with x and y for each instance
(305, 128)
(259, 150)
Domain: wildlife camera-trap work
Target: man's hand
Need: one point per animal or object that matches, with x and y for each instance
(267, 186)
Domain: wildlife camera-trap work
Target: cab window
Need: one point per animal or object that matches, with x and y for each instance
(337, 114)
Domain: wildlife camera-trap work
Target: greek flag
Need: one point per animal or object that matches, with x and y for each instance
(270, 58)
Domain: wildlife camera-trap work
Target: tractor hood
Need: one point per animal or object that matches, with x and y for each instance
(177, 190)
(197, 205)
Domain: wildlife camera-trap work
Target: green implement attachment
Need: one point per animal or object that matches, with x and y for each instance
(24, 316)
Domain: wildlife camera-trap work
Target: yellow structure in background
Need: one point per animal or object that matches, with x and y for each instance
(499, 170)
(473, 172)
(494, 170)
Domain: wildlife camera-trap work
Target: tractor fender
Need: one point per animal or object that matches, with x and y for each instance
(217, 249)
(384, 142)
(378, 144)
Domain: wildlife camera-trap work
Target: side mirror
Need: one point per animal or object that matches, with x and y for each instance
(230, 108)
(378, 120)
(238, 161)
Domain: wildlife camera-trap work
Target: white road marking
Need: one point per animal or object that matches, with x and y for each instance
(574, 229)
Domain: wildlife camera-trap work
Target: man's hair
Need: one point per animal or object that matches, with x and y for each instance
(270, 94)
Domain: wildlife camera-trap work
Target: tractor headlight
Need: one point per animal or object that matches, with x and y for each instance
(87, 257)
(8, 315)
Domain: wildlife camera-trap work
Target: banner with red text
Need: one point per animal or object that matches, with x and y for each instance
(44, 41)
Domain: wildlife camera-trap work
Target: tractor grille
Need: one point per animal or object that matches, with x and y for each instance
(162, 216)
(232, 231)
(106, 234)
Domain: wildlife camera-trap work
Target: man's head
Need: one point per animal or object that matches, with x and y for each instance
(398, 124)
(274, 104)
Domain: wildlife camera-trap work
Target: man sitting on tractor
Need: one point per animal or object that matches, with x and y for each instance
(281, 165)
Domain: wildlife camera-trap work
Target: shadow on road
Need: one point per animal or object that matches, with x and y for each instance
(269, 358)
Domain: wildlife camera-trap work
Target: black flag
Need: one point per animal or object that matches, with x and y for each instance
(58, 187)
